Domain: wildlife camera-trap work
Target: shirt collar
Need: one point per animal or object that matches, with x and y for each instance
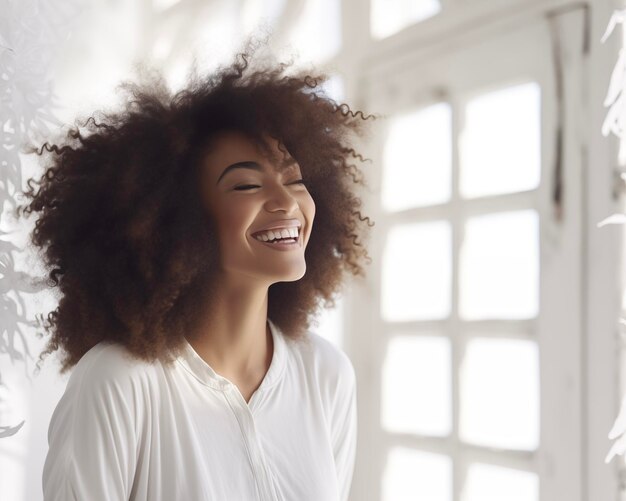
(195, 364)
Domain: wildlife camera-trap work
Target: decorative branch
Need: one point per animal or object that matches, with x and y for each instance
(615, 123)
(30, 33)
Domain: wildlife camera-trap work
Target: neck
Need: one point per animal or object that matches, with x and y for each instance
(234, 338)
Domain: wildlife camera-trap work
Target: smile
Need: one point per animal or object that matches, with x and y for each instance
(278, 233)
(283, 239)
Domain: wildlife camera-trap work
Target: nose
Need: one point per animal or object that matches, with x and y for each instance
(280, 198)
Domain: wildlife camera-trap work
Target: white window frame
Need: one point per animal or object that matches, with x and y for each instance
(579, 301)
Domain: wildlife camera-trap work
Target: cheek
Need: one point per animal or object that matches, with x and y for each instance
(309, 208)
(238, 226)
(233, 220)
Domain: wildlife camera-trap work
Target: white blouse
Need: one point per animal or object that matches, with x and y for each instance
(126, 429)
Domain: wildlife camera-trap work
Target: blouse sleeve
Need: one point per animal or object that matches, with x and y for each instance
(344, 434)
(92, 435)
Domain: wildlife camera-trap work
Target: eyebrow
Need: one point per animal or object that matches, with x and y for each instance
(247, 164)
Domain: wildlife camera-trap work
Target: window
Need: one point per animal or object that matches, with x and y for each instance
(472, 339)
(494, 274)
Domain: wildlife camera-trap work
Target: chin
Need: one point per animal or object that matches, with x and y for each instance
(293, 277)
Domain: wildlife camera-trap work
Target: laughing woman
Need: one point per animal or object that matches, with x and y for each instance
(193, 237)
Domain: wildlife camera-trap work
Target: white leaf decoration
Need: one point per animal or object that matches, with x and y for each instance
(7, 431)
(615, 122)
(615, 118)
(617, 17)
(617, 449)
(618, 429)
(30, 33)
(616, 83)
(613, 219)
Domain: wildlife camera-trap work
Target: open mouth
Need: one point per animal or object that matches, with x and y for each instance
(278, 242)
(279, 236)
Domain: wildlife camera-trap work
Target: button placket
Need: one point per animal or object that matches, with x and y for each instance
(248, 429)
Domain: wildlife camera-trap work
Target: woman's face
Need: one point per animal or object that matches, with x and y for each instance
(246, 198)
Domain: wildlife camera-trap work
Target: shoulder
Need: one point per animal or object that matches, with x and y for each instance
(328, 364)
(96, 426)
(111, 363)
(107, 382)
(106, 371)
(332, 359)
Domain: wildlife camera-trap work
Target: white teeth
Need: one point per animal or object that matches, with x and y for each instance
(283, 233)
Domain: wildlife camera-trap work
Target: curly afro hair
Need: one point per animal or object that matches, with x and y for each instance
(121, 228)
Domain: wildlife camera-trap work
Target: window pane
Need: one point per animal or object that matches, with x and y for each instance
(411, 475)
(494, 483)
(417, 386)
(390, 16)
(499, 393)
(499, 150)
(417, 159)
(499, 266)
(416, 272)
(316, 32)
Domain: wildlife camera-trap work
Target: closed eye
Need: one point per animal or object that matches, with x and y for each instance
(249, 186)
